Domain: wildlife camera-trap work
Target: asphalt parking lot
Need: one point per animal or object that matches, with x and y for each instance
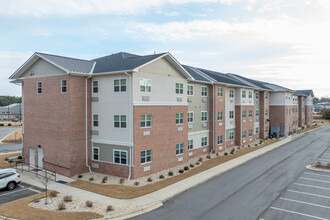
(307, 197)
(21, 191)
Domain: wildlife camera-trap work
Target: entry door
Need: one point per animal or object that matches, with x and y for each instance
(32, 157)
(40, 157)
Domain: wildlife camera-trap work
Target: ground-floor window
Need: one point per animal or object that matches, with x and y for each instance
(243, 134)
(250, 133)
(231, 135)
(179, 149)
(190, 144)
(145, 156)
(120, 157)
(220, 139)
(96, 153)
(204, 141)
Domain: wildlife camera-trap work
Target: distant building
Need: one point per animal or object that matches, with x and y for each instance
(10, 112)
(318, 107)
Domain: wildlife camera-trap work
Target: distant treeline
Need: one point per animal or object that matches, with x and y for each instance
(7, 100)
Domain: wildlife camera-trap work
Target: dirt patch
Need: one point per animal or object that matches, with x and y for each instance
(130, 192)
(20, 209)
(310, 128)
(5, 164)
(14, 137)
(321, 120)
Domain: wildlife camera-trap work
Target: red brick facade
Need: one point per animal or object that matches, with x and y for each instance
(244, 124)
(219, 125)
(264, 107)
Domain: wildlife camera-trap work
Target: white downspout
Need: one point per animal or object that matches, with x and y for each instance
(130, 124)
(214, 115)
(225, 119)
(86, 111)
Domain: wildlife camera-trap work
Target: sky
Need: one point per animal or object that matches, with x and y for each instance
(285, 42)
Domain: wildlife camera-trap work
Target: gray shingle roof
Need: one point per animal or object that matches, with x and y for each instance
(194, 72)
(69, 64)
(305, 92)
(122, 61)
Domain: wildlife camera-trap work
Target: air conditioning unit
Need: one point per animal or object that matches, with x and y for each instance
(204, 99)
(145, 98)
(189, 99)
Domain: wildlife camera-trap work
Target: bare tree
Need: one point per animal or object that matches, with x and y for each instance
(44, 179)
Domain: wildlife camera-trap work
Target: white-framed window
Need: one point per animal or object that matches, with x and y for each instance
(204, 141)
(190, 144)
(220, 92)
(203, 116)
(257, 95)
(266, 129)
(250, 113)
(250, 94)
(231, 114)
(266, 95)
(95, 120)
(120, 157)
(95, 86)
(39, 87)
(250, 133)
(231, 93)
(63, 86)
(190, 117)
(243, 134)
(243, 94)
(266, 112)
(257, 130)
(257, 112)
(179, 149)
(179, 118)
(146, 156)
(220, 116)
(146, 121)
(220, 139)
(119, 121)
(145, 85)
(244, 114)
(203, 91)
(190, 90)
(119, 85)
(178, 88)
(96, 153)
(231, 135)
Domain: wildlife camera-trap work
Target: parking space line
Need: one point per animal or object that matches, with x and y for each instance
(14, 191)
(315, 174)
(322, 181)
(34, 190)
(317, 187)
(307, 203)
(311, 194)
(298, 213)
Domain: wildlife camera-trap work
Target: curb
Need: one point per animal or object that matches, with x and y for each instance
(6, 218)
(13, 152)
(310, 167)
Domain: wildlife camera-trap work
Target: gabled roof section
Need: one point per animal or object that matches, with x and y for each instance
(306, 92)
(197, 74)
(67, 64)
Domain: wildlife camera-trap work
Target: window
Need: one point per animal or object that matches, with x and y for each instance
(231, 93)
(39, 87)
(266, 129)
(119, 121)
(257, 95)
(250, 94)
(244, 114)
(63, 85)
(243, 94)
(179, 118)
(231, 114)
(204, 141)
(203, 91)
(220, 139)
(146, 121)
(120, 85)
(257, 112)
(266, 112)
(145, 156)
(243, 134)
(179, 88)
(257, 130)
(250, 133)
(95, 86)
(95, 120)
(179, 149)
(220, 116)
(250, 113)
(190, 117)
(190, 90)
(203, 116)
(120, 157)
(231, 135)
(220, 92)
(266, 95)
(96, 153)
(190, 144)
(145, 85)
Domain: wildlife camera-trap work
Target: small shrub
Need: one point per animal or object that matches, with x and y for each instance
(122, 180)
(181, 171)
(328, 165)
(170, 173)
(256, 145)
(53, 194)
(67, 198)
(217, 154)
(249, 145)
(104, 180)
(89, 204)
(149, 179)
(91, 179)
(9, 124)
(238, 148)
(161, 176)
(136, 183)
(200, 159)
(6, 159)
(61, 206)
(19, 157)
(208, 156)
(186, 168)
(232, 151)
(318, 164)
(197, 163)
(2, 125)
(110, 208)
(36, 201)
(225, 153)
(10, 161)
(191, 165)
(80, 176)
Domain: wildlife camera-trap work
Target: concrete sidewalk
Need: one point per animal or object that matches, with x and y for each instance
(153, 200)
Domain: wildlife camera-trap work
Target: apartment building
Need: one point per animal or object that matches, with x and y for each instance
(10, 112)
(130, 116)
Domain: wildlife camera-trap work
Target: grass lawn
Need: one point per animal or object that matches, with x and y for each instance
(14, 137)
(4, 164)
